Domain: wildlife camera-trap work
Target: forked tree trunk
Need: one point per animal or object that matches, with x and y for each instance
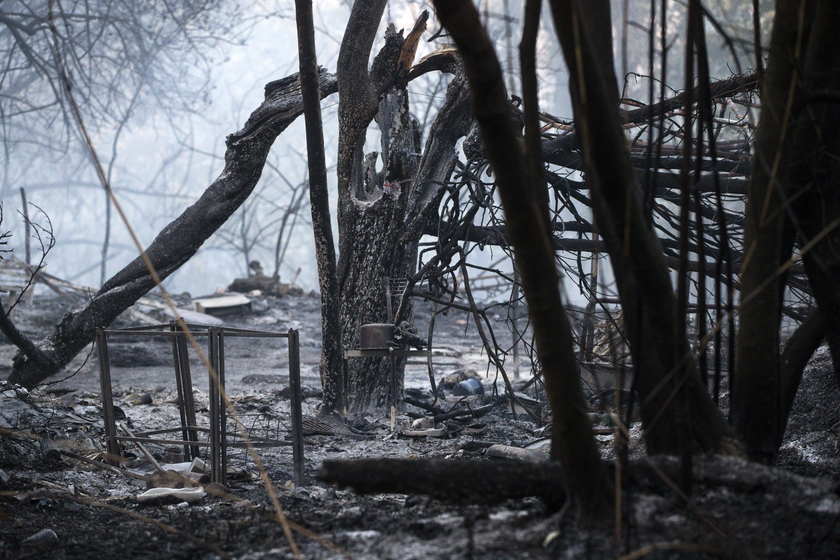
(369, 231)
(814, 179)
(818, 171)
(382, 222)
(793, 192)
(382, 214)
(755, 389)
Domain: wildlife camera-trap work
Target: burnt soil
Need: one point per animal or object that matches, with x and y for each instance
(735, 510)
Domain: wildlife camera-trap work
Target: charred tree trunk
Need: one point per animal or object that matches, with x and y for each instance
(372, 223)
(756, 399)
(358, 105)
(331, 366)
(382, 214)
(794, 193)
(383, 222)
(464, 482)
(526, 219)
(816, 174)
(179, 241)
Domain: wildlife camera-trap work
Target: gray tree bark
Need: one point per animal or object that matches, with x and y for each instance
(331, 367)
(383, 214)
(526, 216)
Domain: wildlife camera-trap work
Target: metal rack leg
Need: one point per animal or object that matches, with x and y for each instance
(186, 401)
(111, 444)
(213, 393)
(179, 383)
(220, 373)
(297, 416)
(393, 384)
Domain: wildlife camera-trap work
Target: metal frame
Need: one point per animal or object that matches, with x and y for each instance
(217, 434)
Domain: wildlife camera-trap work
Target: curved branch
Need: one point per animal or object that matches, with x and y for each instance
(178, 242)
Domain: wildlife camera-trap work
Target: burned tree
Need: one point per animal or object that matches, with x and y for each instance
(526, 218)
(331, 359)
(793, 202)
(382, 214)
(642, 213)
(177, 242)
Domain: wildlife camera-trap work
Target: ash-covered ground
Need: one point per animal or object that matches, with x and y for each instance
(66, 508)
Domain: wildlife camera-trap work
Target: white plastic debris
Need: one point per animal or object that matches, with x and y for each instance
(170, 495)
(509, 452)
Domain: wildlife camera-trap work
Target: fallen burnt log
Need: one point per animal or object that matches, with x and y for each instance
(466, 482)
(493, 482)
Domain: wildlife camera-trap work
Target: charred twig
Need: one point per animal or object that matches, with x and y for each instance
(420, 404)
(455, 414)
(105, 466)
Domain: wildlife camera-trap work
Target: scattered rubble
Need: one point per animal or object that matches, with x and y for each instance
(59, 499)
